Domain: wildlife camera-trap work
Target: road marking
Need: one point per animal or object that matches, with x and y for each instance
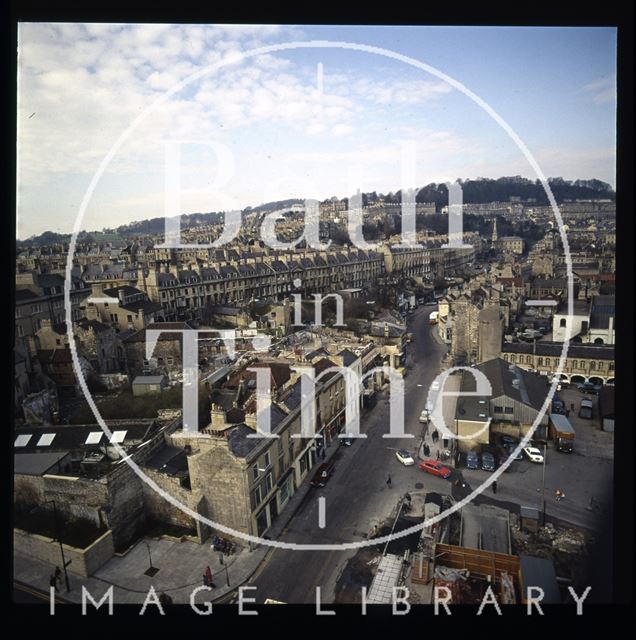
(322, 521)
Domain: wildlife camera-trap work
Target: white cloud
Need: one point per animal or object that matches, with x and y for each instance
(400, 91)
(602, 90)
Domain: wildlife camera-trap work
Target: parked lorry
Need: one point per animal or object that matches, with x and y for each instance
(562, 432)
(587, 409)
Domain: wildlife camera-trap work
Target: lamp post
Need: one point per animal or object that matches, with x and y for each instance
(545, 453)
(59, 539)
(227, 575)
(150, 571)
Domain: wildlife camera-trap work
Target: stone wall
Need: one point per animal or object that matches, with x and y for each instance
(159, 509)
(115, 500)
(84, 562)
(222, 479)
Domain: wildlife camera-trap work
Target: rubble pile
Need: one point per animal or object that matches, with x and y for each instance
(567, 547)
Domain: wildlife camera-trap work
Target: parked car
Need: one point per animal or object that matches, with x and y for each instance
(533, 454)
(404, 457)
(488, 461)
(506, 439)
(472, 460)
(435, 468)
(589, 387)
(510, 450)
(325, 471)
(424, 416)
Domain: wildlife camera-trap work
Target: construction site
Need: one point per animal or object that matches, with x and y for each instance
(462, 555)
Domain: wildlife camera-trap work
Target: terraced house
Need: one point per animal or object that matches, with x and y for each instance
(239, 278)
(245, 482)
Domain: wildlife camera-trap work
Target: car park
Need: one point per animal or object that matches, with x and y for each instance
(404, 457)
(533, 454)
(435, 468)
(325, 471)
(472, 460)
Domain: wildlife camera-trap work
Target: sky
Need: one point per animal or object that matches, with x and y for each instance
(304, 122)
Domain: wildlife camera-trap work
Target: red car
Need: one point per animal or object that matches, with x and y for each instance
(436, 468)
(323, 474)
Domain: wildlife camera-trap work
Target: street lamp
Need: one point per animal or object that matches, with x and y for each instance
(59, 539)
(545, 455)
(150, 571)
(227, 575)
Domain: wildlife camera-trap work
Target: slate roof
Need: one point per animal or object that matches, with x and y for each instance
(140, 336)
(603, 308)
(72, 437)
(348, 358)
(127, 290)
(240, 445)
(146, 306)
(37, 464)
(169, 460)
(167, 280)
(531, 390)
(25, 295)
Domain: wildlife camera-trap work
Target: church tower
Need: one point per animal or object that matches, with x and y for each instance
(494, 232)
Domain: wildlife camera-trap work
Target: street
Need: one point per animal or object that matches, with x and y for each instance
(357, 496)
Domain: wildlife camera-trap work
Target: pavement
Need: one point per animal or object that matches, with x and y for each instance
(180, 570)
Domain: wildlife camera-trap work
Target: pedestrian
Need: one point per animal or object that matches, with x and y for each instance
(388, 481)
(58, 574)
(207, 576)
(437, 454)
(572, 406)
(322, 453)
(53, 581)
(494, 487)
(567, 413)
(427, 450)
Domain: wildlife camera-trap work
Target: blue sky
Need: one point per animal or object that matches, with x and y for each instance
(268, 128)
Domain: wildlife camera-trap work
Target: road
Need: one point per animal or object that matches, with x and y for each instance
(26, 594)
(357, 496)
